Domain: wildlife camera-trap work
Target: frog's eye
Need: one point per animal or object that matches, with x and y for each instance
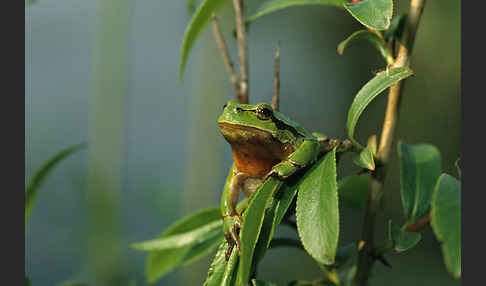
(224, 106)
(264, 112)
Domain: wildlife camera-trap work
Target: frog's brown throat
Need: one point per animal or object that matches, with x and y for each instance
(255, 151)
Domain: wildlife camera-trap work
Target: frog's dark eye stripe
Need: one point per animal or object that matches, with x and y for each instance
(280, 124)
(224, 106)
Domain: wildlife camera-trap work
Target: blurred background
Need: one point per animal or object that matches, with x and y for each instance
(105, 72)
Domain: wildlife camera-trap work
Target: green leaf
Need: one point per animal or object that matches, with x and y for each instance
(402, 240)
(420, 166)
(198, 235)
(446, 221)
(200, 250)
(369, 91)
(274, 5)
(371, 37)
(317, 210)
(374, 14)
(218, 265)
(274, 215)
(266, 233)
(285, 198)
(229, 275)
(27, 280)
(365, 159)
(252, 224)
(255, 282)
(160, 262)
(197, 24)
(39, 176)
(396, 27)
(222, 272)
(353, 190)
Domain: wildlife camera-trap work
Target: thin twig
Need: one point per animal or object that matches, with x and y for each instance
(276, 77)
(218, 36)
(241, 35)
(419, 224)
(366, 258)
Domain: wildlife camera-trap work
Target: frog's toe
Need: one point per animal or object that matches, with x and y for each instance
(235, 236)
(232, 235)
(231, 245)
(283, 170)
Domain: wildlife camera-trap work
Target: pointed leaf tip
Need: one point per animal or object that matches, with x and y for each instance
(369, 92)
(374, 14)
(365, 159)
(446, 221)
(39, 176)
(402, 240)
(372, 38)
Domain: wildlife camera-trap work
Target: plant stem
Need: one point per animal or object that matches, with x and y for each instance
(218, 36)
(366, 257)
(241, 35)
(276, 78)
(419, 224)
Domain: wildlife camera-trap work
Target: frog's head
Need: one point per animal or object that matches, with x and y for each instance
(259, 136)
(259, 119)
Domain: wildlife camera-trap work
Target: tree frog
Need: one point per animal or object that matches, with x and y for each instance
(264, 143)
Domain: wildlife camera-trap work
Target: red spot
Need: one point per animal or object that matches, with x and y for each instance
(355, 1)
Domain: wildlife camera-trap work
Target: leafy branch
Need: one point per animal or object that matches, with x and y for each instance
(366, 259)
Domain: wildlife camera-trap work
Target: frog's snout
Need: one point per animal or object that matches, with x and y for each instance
(229, 103)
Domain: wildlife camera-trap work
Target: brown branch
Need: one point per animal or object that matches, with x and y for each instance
(366, 258)
(241, 36)
(218, 36)
(276, 77)
(419, 224)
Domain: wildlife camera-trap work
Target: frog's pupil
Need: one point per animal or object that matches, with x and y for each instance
(265, 112)
(224, 106)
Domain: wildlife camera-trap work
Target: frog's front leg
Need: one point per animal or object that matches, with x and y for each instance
(232, 220)
(302, 157)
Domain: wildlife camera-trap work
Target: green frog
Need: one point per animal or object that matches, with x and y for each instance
(264, 143)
